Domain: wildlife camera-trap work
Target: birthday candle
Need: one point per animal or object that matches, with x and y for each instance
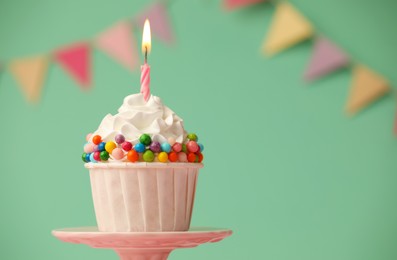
(145, 68)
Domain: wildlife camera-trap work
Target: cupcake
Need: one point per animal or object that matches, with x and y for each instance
(143, 168)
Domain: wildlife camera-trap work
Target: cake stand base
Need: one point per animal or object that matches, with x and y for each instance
(141, 245)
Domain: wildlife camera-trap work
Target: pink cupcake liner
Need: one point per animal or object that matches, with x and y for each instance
(143, 197)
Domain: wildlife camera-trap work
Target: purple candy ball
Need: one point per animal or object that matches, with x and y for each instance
(155, 147)
(119, 139)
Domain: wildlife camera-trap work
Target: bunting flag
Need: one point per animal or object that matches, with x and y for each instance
(326, 58)
(76, 60)
(234, 4)
(159, 22)
(30, 75)
(288, 28)
(118, 43)
(367, 86)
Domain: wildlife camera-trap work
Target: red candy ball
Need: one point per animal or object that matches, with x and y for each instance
(200, 157)
(173, 157)
(97, 156)
(97, 139)
(191, 157)
(127, 146)
(132, 156)
(177, 147)
(192, 146)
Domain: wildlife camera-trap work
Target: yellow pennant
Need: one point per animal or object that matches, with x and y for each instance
(367, 87)
(288, 28)
(30, 74)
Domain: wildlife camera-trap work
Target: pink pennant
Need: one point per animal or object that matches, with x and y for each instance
(326, 58)
(234, 4)
(118, 43)
(159, 22)
(76, 60)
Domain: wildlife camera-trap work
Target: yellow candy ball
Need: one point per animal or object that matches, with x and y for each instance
(110, 146)
(163, 157)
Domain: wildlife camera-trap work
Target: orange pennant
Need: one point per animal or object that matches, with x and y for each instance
(367, 86)
(288, 28)
(30, 75)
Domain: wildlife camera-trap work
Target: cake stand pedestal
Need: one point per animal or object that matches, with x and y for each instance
(141, 245)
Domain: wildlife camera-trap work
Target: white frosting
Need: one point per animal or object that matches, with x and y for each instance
(137, 117)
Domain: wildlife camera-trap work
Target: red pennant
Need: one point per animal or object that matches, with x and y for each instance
(76, 60)
(234, 4)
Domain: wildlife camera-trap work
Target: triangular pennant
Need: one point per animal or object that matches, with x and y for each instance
(119, 44)
(234, 4)
(326, 58)
(76, 60)
(288, 27)
(30, 75)
(367, 86)
(160, 24)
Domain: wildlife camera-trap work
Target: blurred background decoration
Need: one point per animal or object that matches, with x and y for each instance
(288, 28)
(117, 41)
(284, 169)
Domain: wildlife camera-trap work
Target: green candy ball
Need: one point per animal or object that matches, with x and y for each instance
(83, 157)
(145, 139)
(184, 149)
(104, 155)
(192, 137)
(148, 156)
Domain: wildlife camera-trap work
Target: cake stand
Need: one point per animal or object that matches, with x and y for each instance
(141, 245)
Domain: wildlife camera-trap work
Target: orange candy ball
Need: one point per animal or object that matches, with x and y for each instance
(97, 139)
(132, 156)
(173, 157)
(192, 157)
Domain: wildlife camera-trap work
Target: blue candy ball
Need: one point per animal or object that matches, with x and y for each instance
(166, 147)
(92, 158)
(87, 157)
(201, 147)
(101, 146)
(139, 147)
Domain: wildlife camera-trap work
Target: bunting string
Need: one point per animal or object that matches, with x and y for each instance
(117, 41)
(290, 27)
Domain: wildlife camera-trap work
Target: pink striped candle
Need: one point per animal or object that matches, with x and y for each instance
(145, 81)
(145, 69)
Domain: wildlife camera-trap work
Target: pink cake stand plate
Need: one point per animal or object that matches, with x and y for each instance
(141, 245)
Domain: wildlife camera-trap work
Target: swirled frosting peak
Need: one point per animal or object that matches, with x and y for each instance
(136, 117)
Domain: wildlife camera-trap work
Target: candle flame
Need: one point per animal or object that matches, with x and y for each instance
(146, 38)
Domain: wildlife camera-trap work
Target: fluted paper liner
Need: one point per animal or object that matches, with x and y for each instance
(142, 197)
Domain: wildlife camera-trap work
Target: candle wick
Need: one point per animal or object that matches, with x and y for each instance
(145, 54)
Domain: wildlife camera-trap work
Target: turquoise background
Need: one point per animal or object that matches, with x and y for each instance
(285, 168)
